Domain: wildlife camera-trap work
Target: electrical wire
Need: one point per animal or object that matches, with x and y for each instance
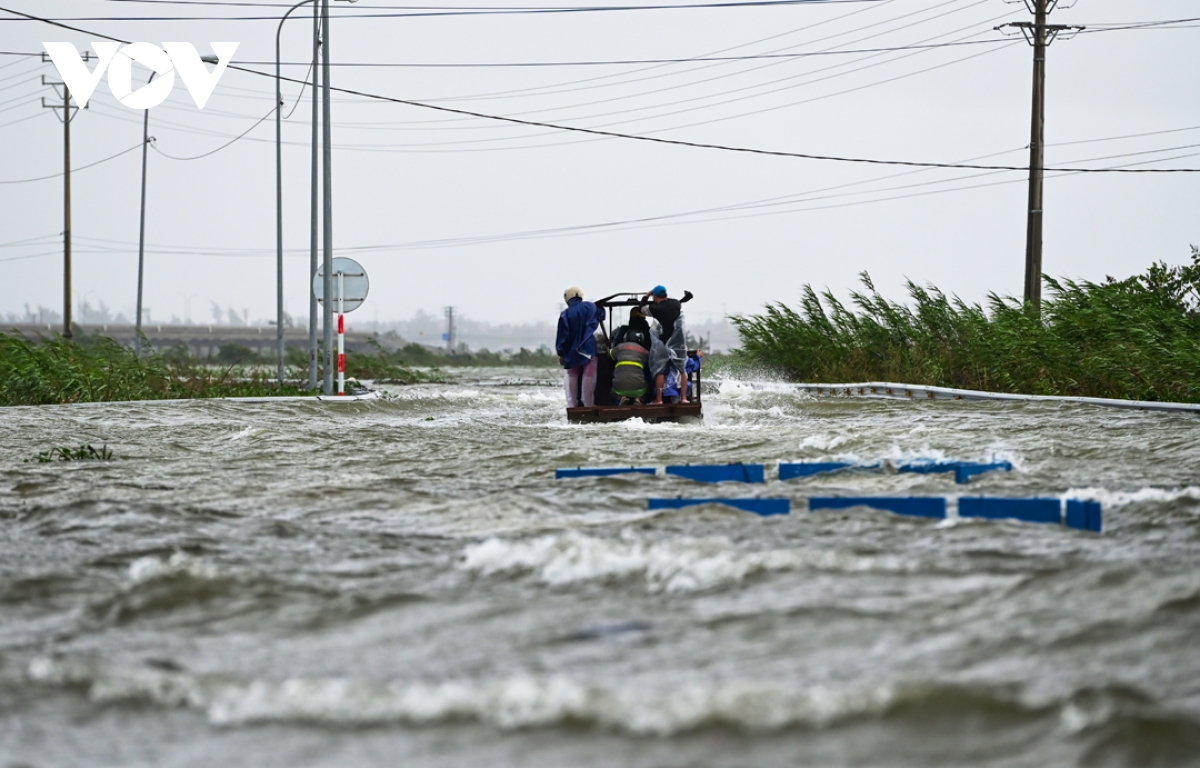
(546, 90)
(154, 145)
(27, 241)
(480, 11)
(74, 170)
(307, 79)
(671, 219)
(613, 62)
(16, 98)
(23, 119)
(31, 256)
(659, 139)
(392, 7)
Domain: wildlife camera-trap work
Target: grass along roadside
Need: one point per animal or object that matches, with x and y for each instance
(97, 369)
(1137, 338)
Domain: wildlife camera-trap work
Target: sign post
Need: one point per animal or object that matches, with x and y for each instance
(350, 288)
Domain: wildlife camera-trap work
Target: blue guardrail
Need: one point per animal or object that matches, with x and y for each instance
(720, 473)
(559, 474)
(760, 507)
(911, 506)
(810, 468)
(1084, 515)
(1026, 510)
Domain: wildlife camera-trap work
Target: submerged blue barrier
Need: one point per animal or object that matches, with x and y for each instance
(720, 473)
(963, 470)
(760, 507)
(912, 506)
(559, 474)
(928, 467)
(1084, 515)
(1026, 510)
(810, 468)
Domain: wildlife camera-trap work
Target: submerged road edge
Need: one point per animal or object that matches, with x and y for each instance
(894, 391)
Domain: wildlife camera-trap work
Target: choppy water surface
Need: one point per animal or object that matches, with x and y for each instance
(403, 581)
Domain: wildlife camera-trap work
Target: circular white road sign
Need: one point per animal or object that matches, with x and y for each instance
(354, 283)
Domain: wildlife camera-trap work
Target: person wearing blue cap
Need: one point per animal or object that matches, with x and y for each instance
(667, 312)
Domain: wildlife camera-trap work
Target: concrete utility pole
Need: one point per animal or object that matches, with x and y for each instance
(279, 312)
(66, 117)
(327, 159)
(450, 329)
(1040, 35)
(313, 226)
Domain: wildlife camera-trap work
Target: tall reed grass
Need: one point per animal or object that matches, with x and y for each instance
(93, 369)
(1137, 338)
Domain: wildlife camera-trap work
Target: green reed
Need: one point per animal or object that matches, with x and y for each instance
(1137, 338)
(95, 369)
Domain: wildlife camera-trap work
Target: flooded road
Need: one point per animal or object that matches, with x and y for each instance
(403, 581)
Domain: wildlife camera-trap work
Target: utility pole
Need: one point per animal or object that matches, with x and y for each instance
(450, 329)
(315, 194)
(327, 160)
(66, 117)
(1039, 34)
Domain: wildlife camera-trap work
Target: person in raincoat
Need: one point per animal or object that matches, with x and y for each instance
(631, 379)
(576, 347)
(669, 349)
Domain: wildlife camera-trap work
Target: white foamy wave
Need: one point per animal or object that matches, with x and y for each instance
(1108, 498)
(736, 389)
(436, 392)
(520, 701)
(822, 442)
(244, 433)
(677, 565)
(541, 396)
(150, 568)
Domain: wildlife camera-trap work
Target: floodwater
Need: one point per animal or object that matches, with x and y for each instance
(403, 581)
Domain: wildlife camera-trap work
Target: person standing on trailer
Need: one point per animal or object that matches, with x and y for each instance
(673, 355)
(576, 347)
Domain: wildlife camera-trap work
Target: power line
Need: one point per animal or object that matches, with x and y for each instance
(725, 147)
(652, 139)
(670, 219)
(23, 119)
(621, 80)
(435, 11)
(154, 144)
(620, 62)
(396, 7)
(79, 168)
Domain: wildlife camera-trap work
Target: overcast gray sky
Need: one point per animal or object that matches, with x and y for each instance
(450, 201)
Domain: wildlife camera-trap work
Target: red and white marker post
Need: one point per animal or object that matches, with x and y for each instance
(351, 290)
(341, 294)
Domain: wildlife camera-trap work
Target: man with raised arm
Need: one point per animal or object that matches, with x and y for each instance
(667, 312)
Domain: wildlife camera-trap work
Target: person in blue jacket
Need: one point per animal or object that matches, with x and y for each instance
(576, 347)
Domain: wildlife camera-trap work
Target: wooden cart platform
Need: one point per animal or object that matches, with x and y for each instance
(652, 413)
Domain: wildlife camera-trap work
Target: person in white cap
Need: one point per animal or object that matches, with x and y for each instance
(576, 347)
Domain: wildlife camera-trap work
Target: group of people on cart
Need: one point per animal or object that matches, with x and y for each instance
(651, 365)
